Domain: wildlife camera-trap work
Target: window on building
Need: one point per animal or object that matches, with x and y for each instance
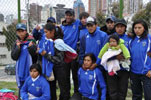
(2, 56)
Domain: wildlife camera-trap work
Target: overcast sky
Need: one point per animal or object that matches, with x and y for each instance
(10, 6)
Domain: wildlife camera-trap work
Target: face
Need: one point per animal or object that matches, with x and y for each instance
(120, 29)
(83, 21)
(113, 42)
(49, 34)
(34, 73)
(91, 28)
(87, 62)
(110, 25)
(69, 18)
(21, 34)
(139, 29)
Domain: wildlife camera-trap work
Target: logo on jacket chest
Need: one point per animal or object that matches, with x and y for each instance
(144, 44)
(90, 77)
(98, 42)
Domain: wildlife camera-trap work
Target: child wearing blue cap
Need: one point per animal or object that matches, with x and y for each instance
(24, 53)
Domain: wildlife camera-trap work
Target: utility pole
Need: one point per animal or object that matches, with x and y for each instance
(19, 13)
(121, 9)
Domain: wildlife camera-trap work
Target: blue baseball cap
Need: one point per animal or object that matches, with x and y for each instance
(21, 26)
(112, 18)
(51, 19)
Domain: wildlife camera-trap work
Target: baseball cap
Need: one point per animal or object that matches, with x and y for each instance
(121, 21)
(51, 19)
(70, 11)
(91, 20)
(21, 26)
(112, 18)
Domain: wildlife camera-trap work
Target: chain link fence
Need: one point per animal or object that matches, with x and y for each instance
(33, 12)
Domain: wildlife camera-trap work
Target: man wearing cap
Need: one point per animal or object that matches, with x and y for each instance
(93, 41)
(70, 27)
(109, 27)
(24, 53)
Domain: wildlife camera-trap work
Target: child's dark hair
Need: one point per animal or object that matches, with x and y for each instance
(37, 67)
(92, 56)
(58, 31)
(116, 37)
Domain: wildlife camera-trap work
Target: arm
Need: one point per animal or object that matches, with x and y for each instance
(37, 33)
(82, 50)
(58, 58)
(45, 91)
(24, 91)
(15, 53)
(102, 84)
(103, 50)
(125, 51)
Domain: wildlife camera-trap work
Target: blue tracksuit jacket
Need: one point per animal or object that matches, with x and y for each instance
(140, 61)
(39, 88)
(88, 81)
(71, 34)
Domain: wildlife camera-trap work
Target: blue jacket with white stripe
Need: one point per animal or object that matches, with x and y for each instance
(140, 61)
(88, 81)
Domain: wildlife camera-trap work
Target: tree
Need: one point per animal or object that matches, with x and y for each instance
(10, 33)
(100, 17)
(116, 9)
(144, 14)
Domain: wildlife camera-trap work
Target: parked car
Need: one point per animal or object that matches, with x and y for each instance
(10, 69)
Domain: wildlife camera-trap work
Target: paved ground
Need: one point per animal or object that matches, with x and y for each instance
(5, 77)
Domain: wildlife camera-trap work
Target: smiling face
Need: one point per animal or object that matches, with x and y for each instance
(69, 17)
(139, 29)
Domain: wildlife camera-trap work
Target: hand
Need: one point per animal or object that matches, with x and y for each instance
(120, 57)
(149, 74)
(149, 54)
(37, 27)
(93, 66)
(18, 43)
(43, 53)
(30, 44)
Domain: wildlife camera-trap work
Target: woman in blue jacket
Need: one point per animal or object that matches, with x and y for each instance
(140, 47)
(89, 80)
(36, 86)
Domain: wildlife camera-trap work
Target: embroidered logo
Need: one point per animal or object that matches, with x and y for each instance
(144, 44)
(38, 88)
(90, 77)
(74, 27)
(98, 42)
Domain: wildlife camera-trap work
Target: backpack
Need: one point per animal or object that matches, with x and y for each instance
(7, 96)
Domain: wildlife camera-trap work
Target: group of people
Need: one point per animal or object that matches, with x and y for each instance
(101, 59)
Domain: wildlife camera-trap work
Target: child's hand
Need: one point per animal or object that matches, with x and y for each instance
(148, 74)
(43, 53)
(30, 44)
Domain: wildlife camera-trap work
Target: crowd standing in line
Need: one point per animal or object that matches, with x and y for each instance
(90, 52)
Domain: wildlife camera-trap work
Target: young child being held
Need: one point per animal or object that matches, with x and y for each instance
(114, 47)
(36, 86)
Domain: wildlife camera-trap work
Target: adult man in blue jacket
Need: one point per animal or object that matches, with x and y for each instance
(70, 28)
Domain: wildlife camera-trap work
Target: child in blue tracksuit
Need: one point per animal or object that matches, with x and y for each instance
(36, 86)
(89, 80)
(140, 49)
